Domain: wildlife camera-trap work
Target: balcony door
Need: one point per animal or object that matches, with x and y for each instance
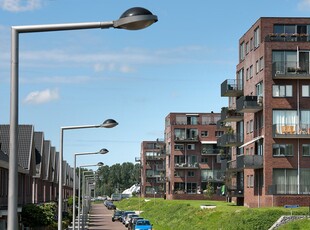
(303, 59)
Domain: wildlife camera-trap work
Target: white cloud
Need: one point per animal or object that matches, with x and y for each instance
(20, 5)
(40, 97)
(57, 79)
(304, 5)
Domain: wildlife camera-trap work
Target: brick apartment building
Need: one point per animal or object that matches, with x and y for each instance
(268, 116)
(153, 168)
(193, 158)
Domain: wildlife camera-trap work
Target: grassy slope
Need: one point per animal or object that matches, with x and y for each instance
(186, 214)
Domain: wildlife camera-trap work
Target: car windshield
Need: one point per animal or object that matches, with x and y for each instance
(143, 222)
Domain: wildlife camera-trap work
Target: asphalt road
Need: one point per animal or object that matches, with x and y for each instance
(101, 218)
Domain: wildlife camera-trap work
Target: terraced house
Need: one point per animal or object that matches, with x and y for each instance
(37, 170)
(268, 115)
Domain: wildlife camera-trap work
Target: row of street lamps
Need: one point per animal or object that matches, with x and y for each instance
(135, 18)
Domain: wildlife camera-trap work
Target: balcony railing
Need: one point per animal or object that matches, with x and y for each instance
(217, 176)
(291, 130)
(210, 151)
(248, 104)
(159, 156)
(283, 37)
(230, 115)
(231, 88)
(246, 162)
(286, 189)
(186, 139)
(186, 165)
(291, 70)
(229, 140)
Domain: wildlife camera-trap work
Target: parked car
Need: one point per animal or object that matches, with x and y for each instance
(143, 225)
(128, 218)
(109, 204)
(133, 221)
(125, 215)
(117, 215)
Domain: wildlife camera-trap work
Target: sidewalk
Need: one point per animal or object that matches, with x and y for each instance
(101, 218)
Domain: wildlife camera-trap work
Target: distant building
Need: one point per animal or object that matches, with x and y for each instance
(269, 115)
(193, 158)
(153, 169)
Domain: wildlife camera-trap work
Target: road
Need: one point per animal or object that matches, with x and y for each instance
(101, 218)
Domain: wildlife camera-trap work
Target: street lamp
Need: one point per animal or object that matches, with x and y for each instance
(133, 19)
(102, 151)
(79, 198)
(109, 123)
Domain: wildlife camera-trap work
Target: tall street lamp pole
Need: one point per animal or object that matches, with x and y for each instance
(109, 123)
(102, 151)
(133, 19)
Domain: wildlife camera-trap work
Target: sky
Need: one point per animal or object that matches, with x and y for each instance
(83, 77)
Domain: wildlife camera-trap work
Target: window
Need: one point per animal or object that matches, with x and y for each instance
(250, 181)
(260, 89)
(178, 147)
(247, 74)
(242, 51)
(257, 66)
(261, 63)
(204, 133)
(305, 90)
(251, 44)
(219, 133)
(282, 150)
(306, 150)
(256, 37)
(285, 181)
(192, 120)
(179, 159)
(190, 173)
(204, 160)
(190, 146)
(247, 47)
(251, 71)
(282, 90)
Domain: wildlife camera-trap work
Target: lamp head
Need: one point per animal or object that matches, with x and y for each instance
(103, 151)
(100, 164)
(135, 18)
(109, 123)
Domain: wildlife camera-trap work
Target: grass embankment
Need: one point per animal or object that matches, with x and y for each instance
(187, 214)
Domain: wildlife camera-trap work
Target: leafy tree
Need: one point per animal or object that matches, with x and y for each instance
(38, 215)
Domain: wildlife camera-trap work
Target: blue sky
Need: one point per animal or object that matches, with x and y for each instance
(72, 78)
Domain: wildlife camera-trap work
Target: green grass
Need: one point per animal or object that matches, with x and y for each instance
(187, 214)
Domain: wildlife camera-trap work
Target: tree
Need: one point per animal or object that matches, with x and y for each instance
(209, 190)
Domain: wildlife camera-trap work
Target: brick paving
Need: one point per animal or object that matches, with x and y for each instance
(101, 218)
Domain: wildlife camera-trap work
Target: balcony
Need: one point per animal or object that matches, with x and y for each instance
(246, 162)
(186, 165)
(217, 176)
(206, 151)
(159, 156)
(283, 37)
(229, 140)
(186, 139)
(230, 115)
(290, 70)
(291, 130)
(231, 88)
(249, 104)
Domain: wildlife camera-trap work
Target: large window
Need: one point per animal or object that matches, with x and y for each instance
(256, 37)
(306, 150)
(285, 181)
(305, 90)
(282, 150)
(242, 51)
(282, 90)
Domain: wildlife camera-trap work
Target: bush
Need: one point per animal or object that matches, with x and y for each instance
(38, 215)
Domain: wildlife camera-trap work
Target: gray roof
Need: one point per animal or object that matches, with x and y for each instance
(46, 159)
(25, 142)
